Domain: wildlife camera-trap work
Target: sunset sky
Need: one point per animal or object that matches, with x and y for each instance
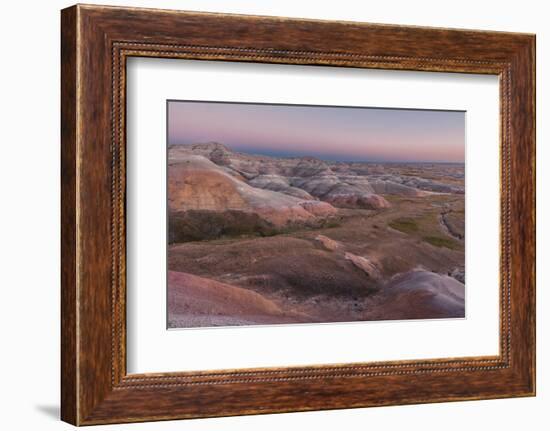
(329, 133)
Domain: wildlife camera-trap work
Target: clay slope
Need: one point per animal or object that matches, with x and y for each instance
(303, 177)
(205, 202)
(421, 294)
(196, 301)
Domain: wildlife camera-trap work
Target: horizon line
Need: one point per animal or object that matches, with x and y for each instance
(330, 160)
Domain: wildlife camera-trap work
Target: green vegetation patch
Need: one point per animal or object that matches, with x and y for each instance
(405, 225)
(205, 225)
(439, 241)
(331, 224)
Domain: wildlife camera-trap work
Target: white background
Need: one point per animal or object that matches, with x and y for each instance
(151, 348)
(29, 228)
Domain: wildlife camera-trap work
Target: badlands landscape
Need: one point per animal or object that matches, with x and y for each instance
(266, 240)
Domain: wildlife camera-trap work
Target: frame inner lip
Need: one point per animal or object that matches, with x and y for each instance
(124, 49)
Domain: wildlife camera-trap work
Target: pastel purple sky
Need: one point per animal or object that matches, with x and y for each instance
(330, 133)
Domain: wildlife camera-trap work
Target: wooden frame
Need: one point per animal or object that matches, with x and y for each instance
(96, 41)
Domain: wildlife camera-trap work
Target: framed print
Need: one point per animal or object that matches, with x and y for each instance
(290, 219)
(319, 214)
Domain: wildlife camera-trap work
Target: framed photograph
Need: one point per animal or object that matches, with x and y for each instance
(263, 214)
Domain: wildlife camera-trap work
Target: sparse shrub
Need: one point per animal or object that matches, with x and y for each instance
(405, 225)
(200, 225)
(439, 241)
(332, 223)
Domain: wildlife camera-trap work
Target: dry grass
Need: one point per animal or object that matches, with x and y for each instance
(405, 225)
(440, 241)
